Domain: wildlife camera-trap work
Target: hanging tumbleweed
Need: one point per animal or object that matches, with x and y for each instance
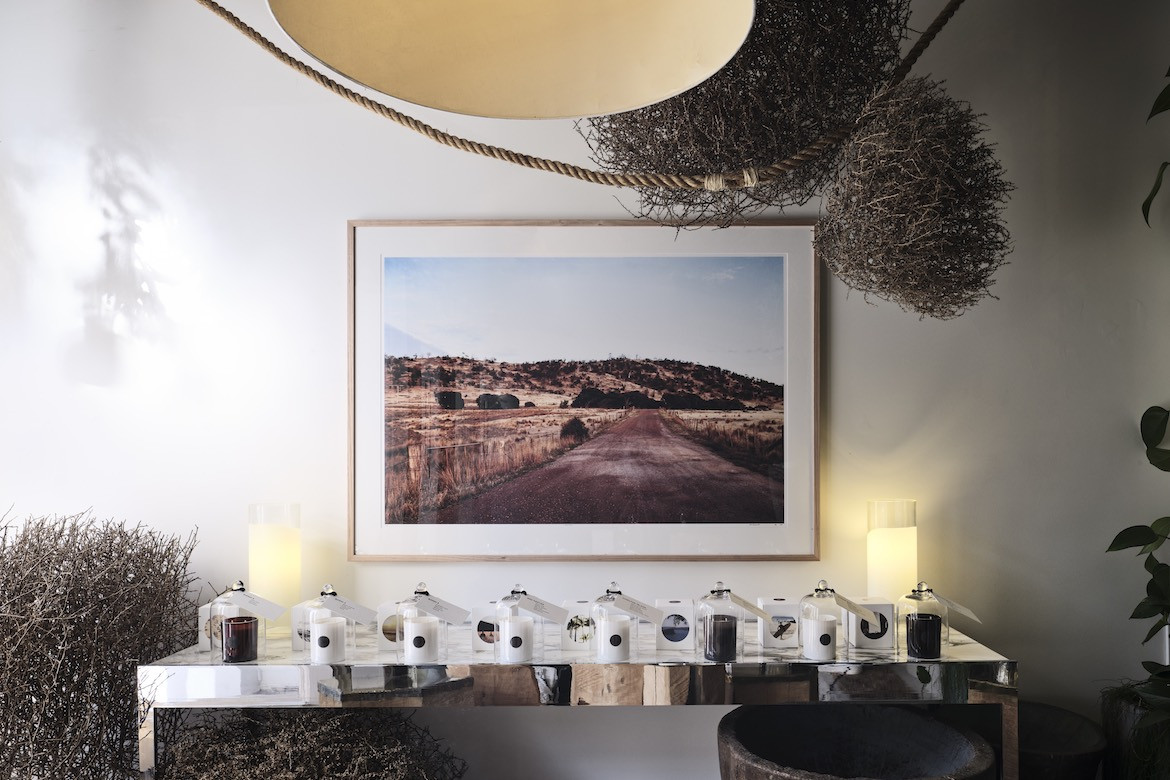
(914, 216)
(806, 69)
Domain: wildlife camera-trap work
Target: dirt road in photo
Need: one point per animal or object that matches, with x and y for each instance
(637, 471)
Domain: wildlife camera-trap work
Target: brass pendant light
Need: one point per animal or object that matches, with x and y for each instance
(521, 59)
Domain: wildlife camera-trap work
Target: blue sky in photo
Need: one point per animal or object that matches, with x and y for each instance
(719, 311)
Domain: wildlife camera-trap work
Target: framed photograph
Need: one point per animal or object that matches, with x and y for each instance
(578, 390)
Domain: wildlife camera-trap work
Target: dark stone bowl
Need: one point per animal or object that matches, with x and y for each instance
(860, 741)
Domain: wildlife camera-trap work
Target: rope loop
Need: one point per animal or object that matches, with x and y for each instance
(715, 182)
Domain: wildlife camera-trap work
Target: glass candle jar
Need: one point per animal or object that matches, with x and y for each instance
(241, 638)
(820, 616)
(615, 632)
(519, 637)
(923, 623)
(721, 624)
(223, 608)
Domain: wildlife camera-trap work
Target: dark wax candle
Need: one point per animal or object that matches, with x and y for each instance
(240, 639)
(923, 635)
(720, 638)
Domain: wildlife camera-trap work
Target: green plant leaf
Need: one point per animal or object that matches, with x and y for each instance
(1151, 565)
(1158, 457)
(1134, 536)
(1146, 608)
(1156, 594)
(1161, 578)
(1161, 103)
(1153, 192)
(1153, 424)
(1155, 668)
(1154, 631)
(1161, 526)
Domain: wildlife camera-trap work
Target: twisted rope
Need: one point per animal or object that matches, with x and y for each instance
(746, 178)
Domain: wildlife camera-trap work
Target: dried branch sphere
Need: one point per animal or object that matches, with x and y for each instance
(806, 69)
(81, 604)
(914, 216)
(309, 744)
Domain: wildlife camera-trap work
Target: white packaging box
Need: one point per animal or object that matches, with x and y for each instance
(387, 632)
(866, 636)
(780, 631)
(483, 627)
(577, 630)
(677, 630)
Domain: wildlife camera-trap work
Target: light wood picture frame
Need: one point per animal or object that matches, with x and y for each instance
(582, 390)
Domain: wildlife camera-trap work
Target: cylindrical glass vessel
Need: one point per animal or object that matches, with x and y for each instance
(923, 624)
(615, 632)
(519, 638)
(820, 617)
(241, 639)
(721, 626)
(423, 637)
(223, 609)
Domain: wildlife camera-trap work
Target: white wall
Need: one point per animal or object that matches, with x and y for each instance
(223, 181)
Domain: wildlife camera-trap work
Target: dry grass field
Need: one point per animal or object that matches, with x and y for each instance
(753, 440)
(435, 457)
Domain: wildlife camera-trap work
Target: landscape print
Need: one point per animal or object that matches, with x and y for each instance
(588, 391)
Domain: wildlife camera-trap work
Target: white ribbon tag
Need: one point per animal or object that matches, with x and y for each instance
(542, 608)
(441, 609)
(257, 606)
(866, 614)
(752, 608)
(955, 606)
(639, 609)
(349, 610)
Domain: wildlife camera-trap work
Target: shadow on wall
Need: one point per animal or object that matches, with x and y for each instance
(121, 302)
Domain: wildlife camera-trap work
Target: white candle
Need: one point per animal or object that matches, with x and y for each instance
(327, 640)
(515, 639)
(818, 638)
(613, 639)
(420, 639)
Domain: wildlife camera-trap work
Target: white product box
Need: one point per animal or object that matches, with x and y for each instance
(677, 629)
(780, 631)
(577, 629)
(483, 627)
(860, 633)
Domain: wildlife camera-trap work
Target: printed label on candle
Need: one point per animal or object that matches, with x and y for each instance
(639, 609)
(441, 609)
(254, 604)
(864, 613)
(748, 606)
(957, 607)
(542, 608)
(348, 609)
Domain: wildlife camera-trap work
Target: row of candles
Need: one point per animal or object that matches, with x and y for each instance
(514, 626)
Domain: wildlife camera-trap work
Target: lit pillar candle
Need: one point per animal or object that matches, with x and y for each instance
(818, 638)
(327, 640)
(613, 639)
(420, 643)
(515, 638)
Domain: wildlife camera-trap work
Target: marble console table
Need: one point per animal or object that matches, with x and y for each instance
(968, 673)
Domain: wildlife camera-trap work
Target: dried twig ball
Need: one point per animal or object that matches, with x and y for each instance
(806, 69)
(914, 216)
(82, 603)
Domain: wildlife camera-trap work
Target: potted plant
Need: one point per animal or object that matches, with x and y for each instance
(1136, 716)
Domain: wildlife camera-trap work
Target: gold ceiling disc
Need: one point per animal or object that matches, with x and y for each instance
(521, 59)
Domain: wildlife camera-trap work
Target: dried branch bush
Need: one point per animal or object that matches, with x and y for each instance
(806, 69)
(914, 216)
(82, 602)
(307, 745)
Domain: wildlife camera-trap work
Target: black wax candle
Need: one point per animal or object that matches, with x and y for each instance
(719, 644)
(923, 635)
(240, 639)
